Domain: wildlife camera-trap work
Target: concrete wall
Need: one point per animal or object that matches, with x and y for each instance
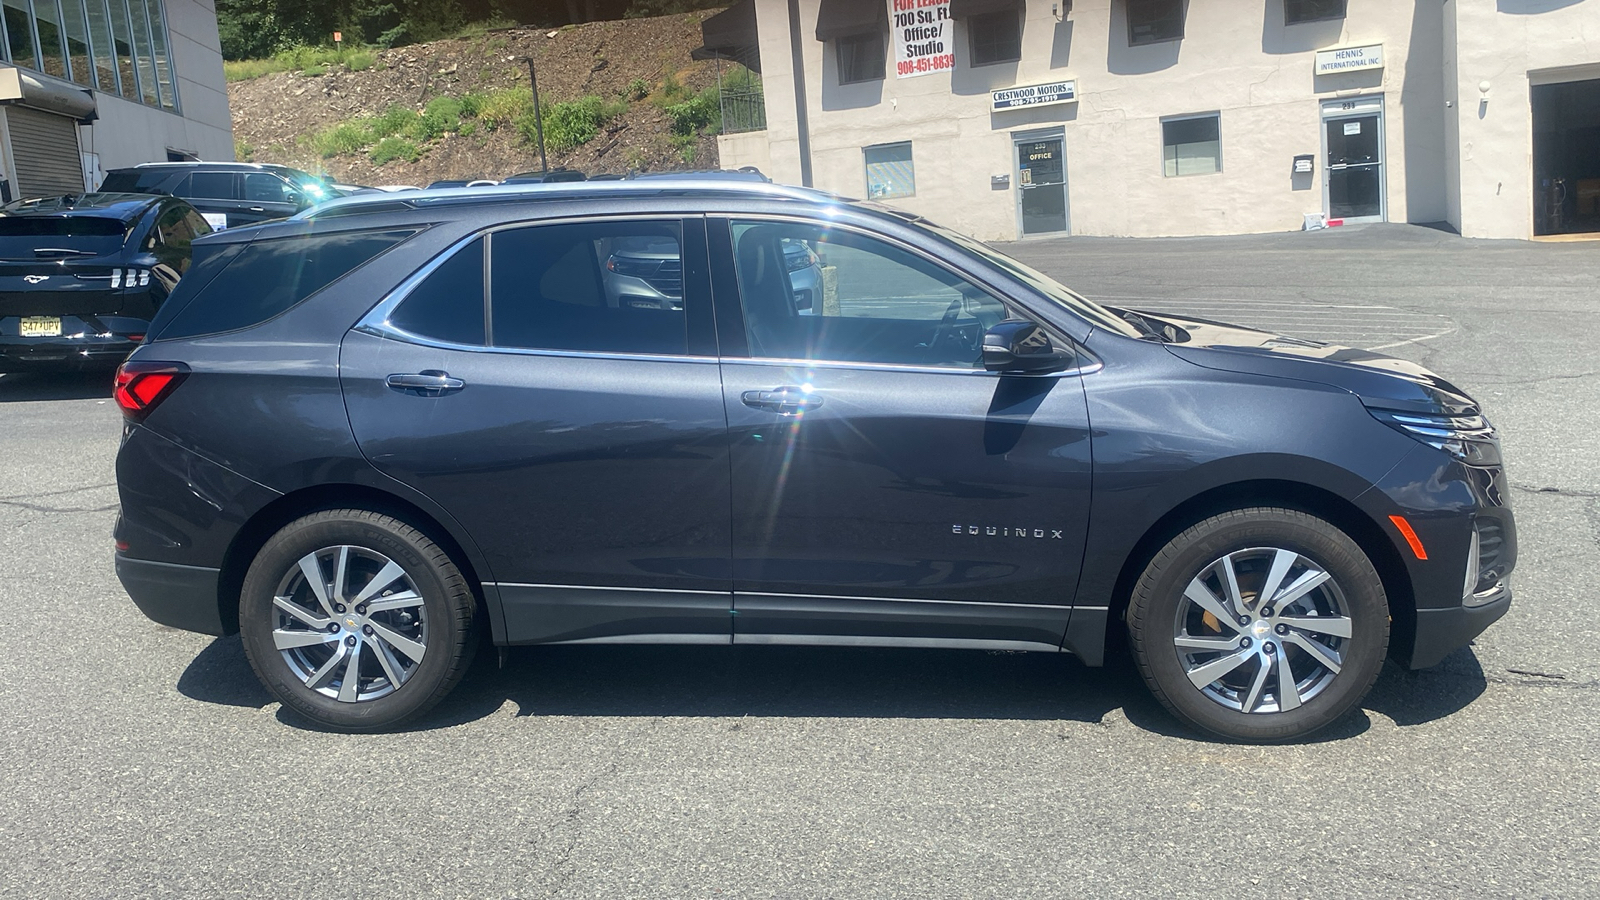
(1237, 58)
(1500, 42)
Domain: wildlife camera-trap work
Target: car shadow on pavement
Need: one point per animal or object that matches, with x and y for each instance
(29, 387)
(826, 682)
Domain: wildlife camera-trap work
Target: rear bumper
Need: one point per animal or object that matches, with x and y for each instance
(1441, 632)
(182, 597)
(63, 354)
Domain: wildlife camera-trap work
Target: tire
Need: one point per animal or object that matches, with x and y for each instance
(402, 610)
(1215, 655)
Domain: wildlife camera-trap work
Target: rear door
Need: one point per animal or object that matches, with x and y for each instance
(580, 442)
(885, 486)
(216, 196)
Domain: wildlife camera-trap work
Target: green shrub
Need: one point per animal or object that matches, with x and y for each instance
(467, 129)
(360, 60)
(700, 113)
(637, 89)
(504, 107)
(395, 120)
(314, 71)
(392, 148)
(570, 124)
(441, 116)
(242, 151)
(346, 137)
(472, 104)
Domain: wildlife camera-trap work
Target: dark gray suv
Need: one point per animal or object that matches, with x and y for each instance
(363, 436)
(227, 194)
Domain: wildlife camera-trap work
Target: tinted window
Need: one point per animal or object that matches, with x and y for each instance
(208, 186)
(448, 304)
(996, 37)
(171, 237)
(260, 188)
(613, 287)
(270, 276)
(813, 292)
(861, 58)
(21, 236)
(135, 182)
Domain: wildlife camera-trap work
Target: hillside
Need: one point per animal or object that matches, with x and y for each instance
(616, 82)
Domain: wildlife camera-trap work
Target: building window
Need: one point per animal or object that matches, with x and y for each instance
(1192, 145)
(996, 37)
(119, 47)
(1154, 21)
(1297, 11)
(890, 172)
(861, 58)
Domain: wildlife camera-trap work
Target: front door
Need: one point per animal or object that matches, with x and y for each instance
(1353, 138)
(1042, 185)
(885, 486)
(579, 438)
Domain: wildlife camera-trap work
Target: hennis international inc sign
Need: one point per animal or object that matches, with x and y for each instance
(1034, 95)
(1349, 59)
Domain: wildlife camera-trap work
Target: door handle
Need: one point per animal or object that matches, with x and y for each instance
(257, 209)
(427, 383)
(785, 401)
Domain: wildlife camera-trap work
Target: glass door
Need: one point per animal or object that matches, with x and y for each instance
(1042, 185)
(1353, 148)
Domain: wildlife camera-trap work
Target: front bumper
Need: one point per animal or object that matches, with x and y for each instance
(1441, 632)
(183, 597)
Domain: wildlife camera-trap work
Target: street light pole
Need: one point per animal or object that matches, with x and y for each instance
(538, 114)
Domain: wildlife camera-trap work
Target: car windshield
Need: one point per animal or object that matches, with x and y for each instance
(1043, 284)
(312, 187)
(34, 237)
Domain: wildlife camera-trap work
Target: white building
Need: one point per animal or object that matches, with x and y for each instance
(91, 85)
(1010, 118)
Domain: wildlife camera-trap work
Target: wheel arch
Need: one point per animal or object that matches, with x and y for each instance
(1336, 510)
(267, 521)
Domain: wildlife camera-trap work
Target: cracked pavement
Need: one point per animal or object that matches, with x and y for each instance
(141, 761)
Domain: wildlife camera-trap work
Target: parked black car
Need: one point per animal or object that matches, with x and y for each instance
(363, 435)
(227, 194)
(82, 276)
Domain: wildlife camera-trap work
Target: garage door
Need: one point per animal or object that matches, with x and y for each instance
(45, 150)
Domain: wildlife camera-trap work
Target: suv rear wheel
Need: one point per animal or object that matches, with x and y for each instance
(1260, 625)
(355, 620)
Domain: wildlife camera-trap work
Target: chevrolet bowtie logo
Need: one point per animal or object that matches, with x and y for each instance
(1053, 534)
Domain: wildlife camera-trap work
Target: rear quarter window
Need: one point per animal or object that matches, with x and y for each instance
(268, 277)
(135, 182)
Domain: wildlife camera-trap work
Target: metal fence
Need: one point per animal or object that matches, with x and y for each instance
(743, 109)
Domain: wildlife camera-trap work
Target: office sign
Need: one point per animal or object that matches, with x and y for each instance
(1349, 59)
(924, 37)
(1034, 95)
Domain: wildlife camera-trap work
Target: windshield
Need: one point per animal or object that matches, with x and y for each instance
(34, 237)
(1043, 284)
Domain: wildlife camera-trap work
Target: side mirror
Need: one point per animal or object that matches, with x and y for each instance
(1017, 345)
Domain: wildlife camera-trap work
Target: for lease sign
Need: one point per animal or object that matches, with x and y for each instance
(924, 37)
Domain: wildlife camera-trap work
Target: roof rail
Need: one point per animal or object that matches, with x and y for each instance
(572, 190)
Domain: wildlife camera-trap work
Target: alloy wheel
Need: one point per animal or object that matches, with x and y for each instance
(350, 623)
(1262, 630)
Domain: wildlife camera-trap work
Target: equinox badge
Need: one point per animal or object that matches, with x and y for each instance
(1053, 534)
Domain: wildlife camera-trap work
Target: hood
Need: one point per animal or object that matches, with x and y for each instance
(1379, 380)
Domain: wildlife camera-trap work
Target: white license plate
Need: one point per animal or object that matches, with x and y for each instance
(41, 326)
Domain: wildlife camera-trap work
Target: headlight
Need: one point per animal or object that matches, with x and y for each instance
(1469, 438)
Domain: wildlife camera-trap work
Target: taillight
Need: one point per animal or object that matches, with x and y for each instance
(141, 385)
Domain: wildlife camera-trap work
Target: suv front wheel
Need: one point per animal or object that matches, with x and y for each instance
(1260, 625)
(355, 620)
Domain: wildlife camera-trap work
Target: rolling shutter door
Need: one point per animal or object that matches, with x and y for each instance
(45, 150)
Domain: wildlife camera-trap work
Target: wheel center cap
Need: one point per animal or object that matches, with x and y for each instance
(1260, 628)
(351, 622)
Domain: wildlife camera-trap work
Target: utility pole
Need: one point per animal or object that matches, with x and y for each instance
(538, 114)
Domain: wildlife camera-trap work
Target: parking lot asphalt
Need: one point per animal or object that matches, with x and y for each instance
(142, 761)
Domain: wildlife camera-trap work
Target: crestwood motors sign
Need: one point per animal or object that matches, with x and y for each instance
(1034, 95)
(924, 37)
